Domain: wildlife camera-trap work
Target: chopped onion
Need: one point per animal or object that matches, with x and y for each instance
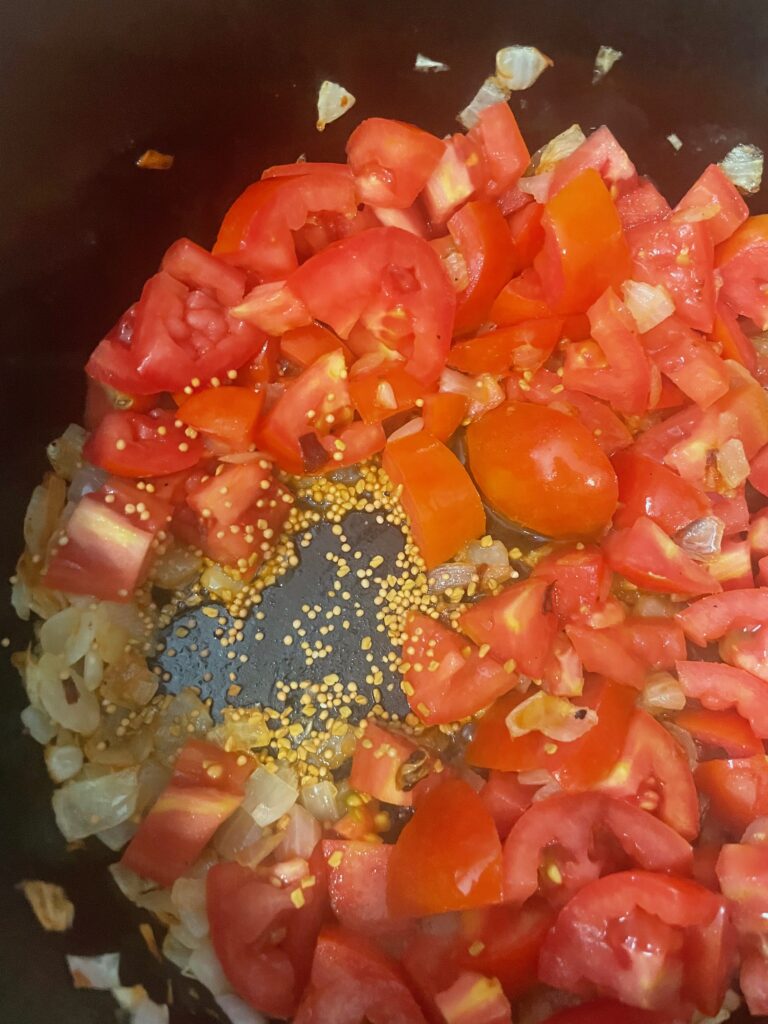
(205, 967)
(175, 950)
(38, 723)
(732, 463)
(653, 606)
(333, 100)
(484, 392)
(649, 304)
(702, 537)
(413, 426)
(238, 832)
(88, 806)
(675, 141)
(535, 777)
(743, 166)
(518, 67)
(237, 1011)
(319, 798)
(302, 834)
(451, 575)
(241, 729)
(267, 796)
(537, 186)
(42, 515)
(65, 697)
(426, 64)
(65, 454)
(53, 909)
(188, 895)
(559, 148)
(662, 692)
(63, 762)
(605, 59)
(86, 481)
(128, 882)
(685, 740)
(154, 160)
(555, 717)
(494, 553)
(756, 833)
(101, 972)
(141, 1008)
(252, 855)
(489, 93)
(116, 838)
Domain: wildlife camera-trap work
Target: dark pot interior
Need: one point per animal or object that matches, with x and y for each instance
(229, 87)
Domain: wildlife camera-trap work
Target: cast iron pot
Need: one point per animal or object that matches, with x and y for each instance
(229, 87)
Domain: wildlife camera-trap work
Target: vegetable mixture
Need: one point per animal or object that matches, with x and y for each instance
(570, 824)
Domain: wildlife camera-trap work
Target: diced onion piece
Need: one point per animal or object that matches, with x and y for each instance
(654, 606)
(489, 93)
(175, 950)
(649, 304)
(484, 392)
(38, 723)
(685, 740)
(268, 797)
(662, 692)
(426, 64)
(237, 833)
(743, 166)
(63, 762)
(142, 1009)
(188, 895)
(238, 1011)
(559, 148)
(536, 185)
(154, 160)
(757, 832)
(319, 798)
(413, 426)
(87, 806)
(65, 454)
(605, 59)
(101, 972)
(493, 553)
(51, 906)
(675, 141)
(702, 537)
(302, 835)
(554, 717)
(204, 966)
(732, 463)
(116, 838)
(385, 395)
(451, 575)
(333, 100)
(518, 67)
(535, 777)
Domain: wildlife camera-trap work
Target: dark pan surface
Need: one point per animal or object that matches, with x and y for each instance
(229, 87)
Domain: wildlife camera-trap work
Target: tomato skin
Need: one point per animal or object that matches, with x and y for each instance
(543, 470)
(375, 764)
(506, 798)
(649, 488)
(737, 789)
(564, 831)
(522, 299)
(580, 579)
(711, 618)
(712, 190)
(520, 347)
(448, 856)
(688, 360)
(481, 234)
(641, 205)
(458, 177)
(720, 729)
(647, 557)
(527, 235)
(229, 414)
(135, 444)
(505, 154)
(603, 652)
(720, 686)
(438, 495)
(753, 982)
(443, 413)
(685, 926)
(743, 264)
(391, 161)
(357, 885)
(584, 249)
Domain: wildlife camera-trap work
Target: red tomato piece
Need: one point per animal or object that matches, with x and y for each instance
(732, 565)
(688, 360)
(603, 153)
(723, 686)
(474, 999)
(747, 649)
(737, 789)
(505, 154)
(715, 201)
(482, 236)
(742, 871)
(584, 249)
(391, 161)
(726, 730)
(580, 579)
(392, 283)
(735, 344)
(205, 789)
(613, 366)
(145, 509)
(101, 399)
(458, 177)
(753, 982)
(606, 1011)
(559, 844)
(515, 624)
(229, 414)
(443, 413)
(357, 883)
(520, 300)
(653, 772)
(304, 345)
(641, 205)
(448, 856)
(712, 617)
(445, 678)
(378, 757)
(352, 982)
(679, 256)
(606, 653)
(743, 264)
(539, 468)
(647, 557)
(376, 396)
(649, 488)
(228, 494)
(518, 348)
(644, 938)
(527, 235)
(136, 444)
(506, 798)
(442, 503)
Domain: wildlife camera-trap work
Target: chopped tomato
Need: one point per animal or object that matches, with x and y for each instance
(606, 1011)
(650, 940)
(737, 789)
(136, 444)
(390, 282)
(443, 413)
(378, 758)
(584, 249)
(506, 798)
(228, 493)
(727, 331)
(602, 153)
(482, 237)
(206, 787)
(101, 399)
(474, 999)
(647, 557)
(518, 348)
(641, 205)
(357, 883)
(352, 981)
(679, 256)
(540, 468)
(228, 414)
(712, 617)
(747, 649)
(391, 161)
(732, 565)
(649, 488)
(527, 235)
(607, 653)
(580, 579)
(516, 624)
(458, 177)
(376, 396)
(719, 686)
(742, 261)
(522, 299)
(304, 345)
(613, 366)
(442, 503)
(505, 154)
(561, 844)
(445, 677)
(653, 772)
(753, 982)
(448, 856)
(688, 360)
(726, 730)
(715, 201)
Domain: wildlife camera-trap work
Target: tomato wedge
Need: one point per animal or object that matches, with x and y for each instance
(391, 161)
(519, 348)
(742, 261)
(136, 444)
(719, 686)
(228, 414)
(649, 488)
(715, 200)
(725, 730)
(712, 617)
(647, 557)
(376, 763)
(737, 789)
(482, 237)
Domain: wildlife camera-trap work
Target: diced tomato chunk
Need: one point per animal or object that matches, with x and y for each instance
(715, 201)
(376, 763)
